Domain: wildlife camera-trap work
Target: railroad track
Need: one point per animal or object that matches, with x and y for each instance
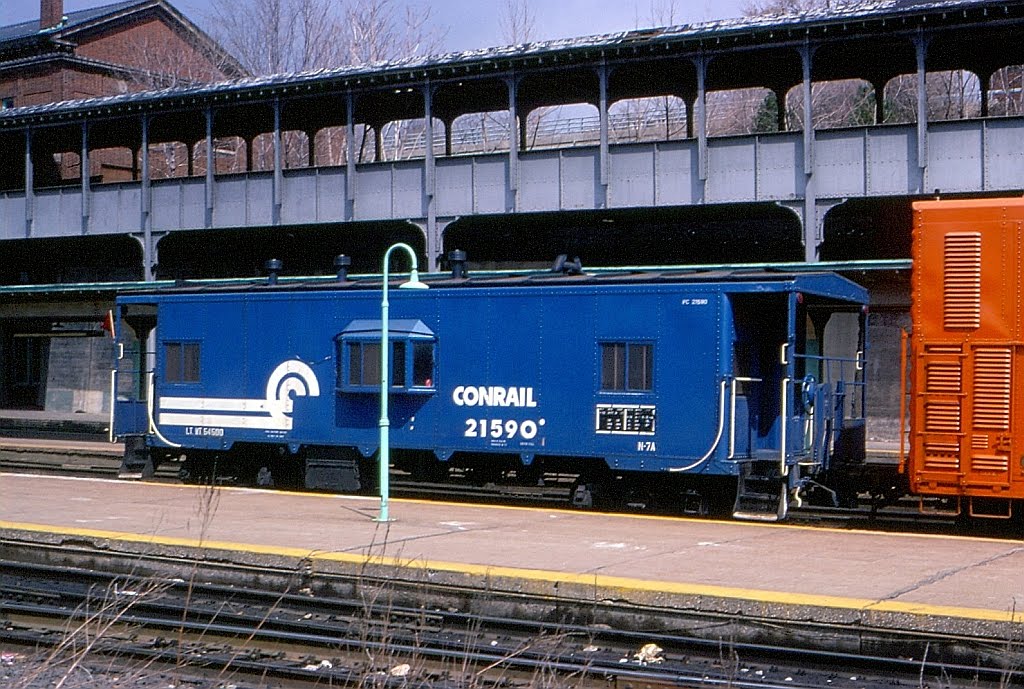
(40, 458)
(308, 635)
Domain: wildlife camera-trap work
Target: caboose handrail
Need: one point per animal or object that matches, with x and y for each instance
(856, 360)
(149, 413)
(904, 338)
(783, 427)
(718, 435)
(834, 371)
(113, 402)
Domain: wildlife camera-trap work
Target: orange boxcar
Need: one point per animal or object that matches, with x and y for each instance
(966, 356)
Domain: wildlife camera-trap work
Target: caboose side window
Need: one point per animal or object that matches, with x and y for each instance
(641, 367)
(627, 367)
(423, 364)
(181, 362)
(363, 363)
(398, 364)
(410, 359)
(613, 366)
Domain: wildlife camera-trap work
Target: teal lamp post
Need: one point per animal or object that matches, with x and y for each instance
(385, 372)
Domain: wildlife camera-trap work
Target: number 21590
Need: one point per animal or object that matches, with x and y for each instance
(498, 428)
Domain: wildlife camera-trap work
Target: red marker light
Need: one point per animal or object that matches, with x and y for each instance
(108, 323)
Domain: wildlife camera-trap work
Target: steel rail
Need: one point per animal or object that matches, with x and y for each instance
(438, 635)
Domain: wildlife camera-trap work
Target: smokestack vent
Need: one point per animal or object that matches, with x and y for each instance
(51, 13)
(457, 259)
(273, 267)
(342, 264)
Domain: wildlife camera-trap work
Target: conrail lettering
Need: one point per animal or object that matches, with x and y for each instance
(493, 396)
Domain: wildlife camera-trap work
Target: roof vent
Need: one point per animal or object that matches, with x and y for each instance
(562, 264)
(342, 264)
(457, 259)
(273, 267)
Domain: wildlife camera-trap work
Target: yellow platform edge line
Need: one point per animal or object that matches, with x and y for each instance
(624, 584)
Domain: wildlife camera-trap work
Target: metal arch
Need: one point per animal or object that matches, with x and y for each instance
(441, 250)
(812, 230)
(424, 232)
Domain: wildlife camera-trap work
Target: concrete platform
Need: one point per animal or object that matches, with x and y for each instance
(965, 585)
(20, 423)
(61, 446)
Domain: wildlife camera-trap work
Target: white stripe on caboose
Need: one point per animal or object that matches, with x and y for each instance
(275, 423)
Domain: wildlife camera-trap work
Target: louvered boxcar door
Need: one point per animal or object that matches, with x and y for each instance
(967, 345)
(988, 438)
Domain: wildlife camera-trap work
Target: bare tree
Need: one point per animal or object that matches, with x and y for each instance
(158, 63)
(755, 8)
(953, 94)
(1006, 91)
(517, 21)
(287, 36)
(655, 117)
(378, 30)
(949, 95)
(663, 12)
(276, 36)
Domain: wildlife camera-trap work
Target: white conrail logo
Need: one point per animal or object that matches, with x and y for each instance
(290, 379)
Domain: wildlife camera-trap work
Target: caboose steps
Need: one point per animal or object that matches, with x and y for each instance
(137, 462)
(760, 493)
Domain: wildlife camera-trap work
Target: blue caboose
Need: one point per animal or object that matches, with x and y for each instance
(736, 386)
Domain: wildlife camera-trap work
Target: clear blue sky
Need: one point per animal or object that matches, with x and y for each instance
(474, 23)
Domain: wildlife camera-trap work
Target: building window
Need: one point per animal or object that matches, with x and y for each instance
(181, 362)
(627, 367)
(6, 103)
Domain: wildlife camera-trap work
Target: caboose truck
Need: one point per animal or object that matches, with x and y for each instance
(727, 390)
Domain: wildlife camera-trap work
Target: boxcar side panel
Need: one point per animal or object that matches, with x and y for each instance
(967, 436)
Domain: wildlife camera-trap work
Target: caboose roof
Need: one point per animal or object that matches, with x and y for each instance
(726, 279)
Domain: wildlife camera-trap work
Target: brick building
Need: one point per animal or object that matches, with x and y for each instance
(127, 46)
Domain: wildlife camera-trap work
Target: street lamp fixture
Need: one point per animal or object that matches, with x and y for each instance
(385, 372)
